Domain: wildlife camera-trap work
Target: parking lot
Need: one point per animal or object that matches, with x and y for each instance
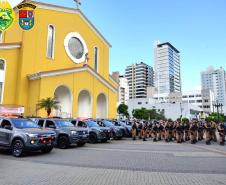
(119, 162)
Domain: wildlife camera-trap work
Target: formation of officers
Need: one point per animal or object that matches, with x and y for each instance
(179, 131)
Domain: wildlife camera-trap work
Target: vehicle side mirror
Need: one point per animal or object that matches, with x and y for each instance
(8, 127)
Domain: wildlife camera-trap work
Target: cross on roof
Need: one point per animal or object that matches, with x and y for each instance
(78, 3)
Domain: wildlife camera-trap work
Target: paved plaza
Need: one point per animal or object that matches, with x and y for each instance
(122, 162)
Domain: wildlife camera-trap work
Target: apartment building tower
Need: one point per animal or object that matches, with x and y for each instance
(167, 69)
(139, 76)
(215, 80)
(123, 88)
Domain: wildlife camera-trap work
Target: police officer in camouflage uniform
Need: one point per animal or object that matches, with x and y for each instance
(167, 128)
(144, 131)
(149, 129)
(200, 130)
(193, 132)
(186, 126)
(222, 131)
(213, 131)
(139, 129)
(134, 130)
(179, 130)
(207, 127)
(154, 131)
(171, 131)
(160, 131)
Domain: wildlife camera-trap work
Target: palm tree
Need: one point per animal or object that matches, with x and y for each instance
(48, 104)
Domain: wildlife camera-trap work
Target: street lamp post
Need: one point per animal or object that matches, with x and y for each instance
(218, 105)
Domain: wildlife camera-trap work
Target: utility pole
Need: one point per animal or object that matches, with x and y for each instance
(218, 105)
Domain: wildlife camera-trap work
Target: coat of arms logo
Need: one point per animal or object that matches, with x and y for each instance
(26, 15)
(7, 15)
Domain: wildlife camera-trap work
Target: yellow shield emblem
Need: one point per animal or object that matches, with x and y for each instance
(7, 15)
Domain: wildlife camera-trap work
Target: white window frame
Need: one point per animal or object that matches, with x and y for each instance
(3, 82)
(47, 46)
(66, 42)
(97, 59)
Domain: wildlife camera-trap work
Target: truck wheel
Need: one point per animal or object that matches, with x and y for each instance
(46, 150)
(18, 149)
(63, 142)
(92, 138)
(81, 144)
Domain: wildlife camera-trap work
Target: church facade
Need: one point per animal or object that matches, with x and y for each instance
(62, 56)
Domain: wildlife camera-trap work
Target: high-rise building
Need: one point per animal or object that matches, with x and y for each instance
(123, 88)
(167, 69)
(214, 80)
(139, 76)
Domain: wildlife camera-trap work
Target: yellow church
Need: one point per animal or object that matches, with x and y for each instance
(62, 56)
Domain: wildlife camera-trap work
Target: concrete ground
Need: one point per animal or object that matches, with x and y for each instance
(122, 162)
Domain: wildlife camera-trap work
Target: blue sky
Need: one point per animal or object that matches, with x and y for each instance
(196, 27)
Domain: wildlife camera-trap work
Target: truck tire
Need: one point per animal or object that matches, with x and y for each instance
(63, 142)
(18, 148)
(92, 138)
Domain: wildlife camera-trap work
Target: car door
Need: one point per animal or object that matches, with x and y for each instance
(50, 125)
(2, 134)
(81, 124)
(74, 122)
(40, 122)
(5, 132)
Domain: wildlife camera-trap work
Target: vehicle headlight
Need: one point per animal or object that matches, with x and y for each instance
(33, 135)
(73, 132)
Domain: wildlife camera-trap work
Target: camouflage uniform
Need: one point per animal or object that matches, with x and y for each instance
(200, 131)
(182, 132)
(208, 128)
(213, 131)
(149, 134)
(186, 131)
(167, 128)
(174, 132)
(171, 131)
(134, 130)
(144, 131)
(154, 131)
(139, 130)
(193, 132)
(179, 130)
(222, 131)
(160, 131)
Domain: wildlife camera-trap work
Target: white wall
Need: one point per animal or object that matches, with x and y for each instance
(172, 111)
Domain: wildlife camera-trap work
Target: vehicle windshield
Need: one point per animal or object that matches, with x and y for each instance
(117, 123)
(108, 123)
(24, 123)
(122, 123)
(129, 123)
(62, 123)
(92, 123)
